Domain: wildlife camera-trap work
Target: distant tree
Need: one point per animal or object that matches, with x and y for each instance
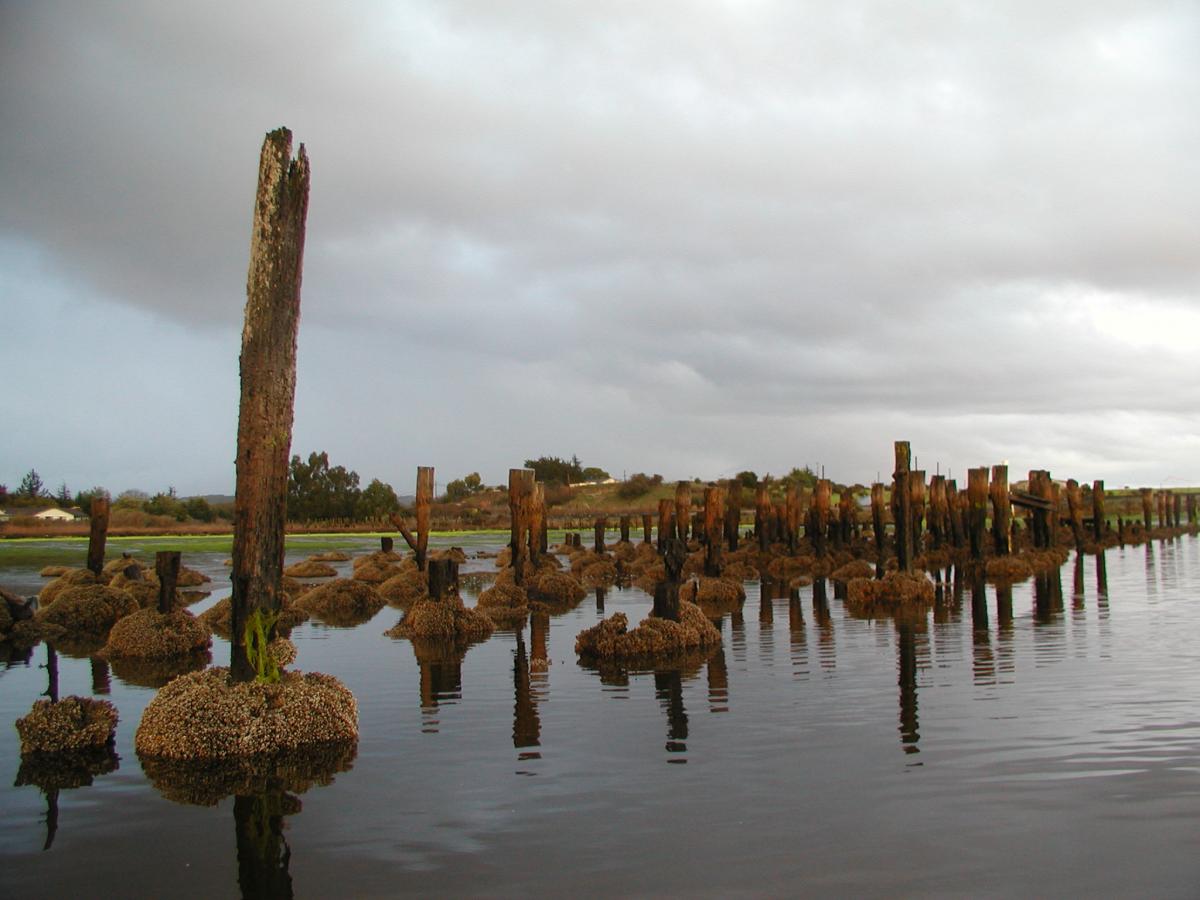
(594, 473)
(84, 498)
(318, 491)
(473, 482)
(804, 478)
(31, 487)
(747, 479)
(199, 509)
(377, 500)
(131, 499)
(552, 470)
(457, 491)
(638, 484)
(3, 493)
(166, 503)
(63, 496)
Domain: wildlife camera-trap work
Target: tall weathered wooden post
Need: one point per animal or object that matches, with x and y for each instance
(666, 523)
(1097, 509)
(916, 485)
(1075, 510)
(520, 492)
(822, 497)
(600, 526)
(937, 510)
(792, 506)
(268, 389)
(537, 522)
(683, 509)
(1147, 501)
(623, 524)
(98, 534)
(1176, 504)
(166, 567)
(902, 506)
(977, 498)
(733, 514)
(954, 513)
(1191, 509)
(1001, 510)
(877, 519)
(847, 516)
(647, 527)
(424, 501)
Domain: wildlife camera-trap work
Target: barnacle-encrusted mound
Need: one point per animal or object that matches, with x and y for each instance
(442, 619)
(69, 579)
(150, 634)
(204, 716)
(376, 571)
(310, 568)
(601, 573)
(895, 591)
(343, 602)
(555, 589)
(206, 782)
(405, 588)
(331, 556)
(858, 568)
(713, 591)
(654, 637)
(784, 568)
(217, 617)
(73, 723)
(120, 564)
(88, 610)
(1008, 569)
(54, 571)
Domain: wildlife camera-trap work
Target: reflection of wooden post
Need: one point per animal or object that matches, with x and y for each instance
(443, 578)
(1098, 509)
(666, 523)
(683, 509)
(268, 386)
(902, 507)
(762, 517)
(877, 518)
(977, 497)
(1001, 509)
(423, 502)
(98, 535)
(166, 566)
(714, 516)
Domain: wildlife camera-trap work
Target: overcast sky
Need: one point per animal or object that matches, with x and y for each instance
(677, 237)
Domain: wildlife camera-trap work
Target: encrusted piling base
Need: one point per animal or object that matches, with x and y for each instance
(149, 634)
(895, 592)
(445, 619)
(71, 724)
(343, 602)
(203, 716)
(654, 637)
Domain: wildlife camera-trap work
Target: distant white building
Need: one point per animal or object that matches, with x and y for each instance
(54, 514)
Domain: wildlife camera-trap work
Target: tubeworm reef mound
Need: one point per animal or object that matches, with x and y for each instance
(895, 591)
(654, 637)
(153, 635)
(444, 619)
(343, 602)
(71, 724)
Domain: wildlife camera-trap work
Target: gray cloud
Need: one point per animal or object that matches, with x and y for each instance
(639, 233)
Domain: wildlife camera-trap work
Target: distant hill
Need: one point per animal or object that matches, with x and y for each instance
(215, 499)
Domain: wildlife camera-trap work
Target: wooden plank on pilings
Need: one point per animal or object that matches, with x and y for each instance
(1001, 510)
(1147, 501)
(1075, 511)
(820, 516)
(714, 516)
(877, 518)
(647, 527)
(268, 387)
(166, 567)
(97, 534)
(683, 509)
(977, 500)
(624, 526)
(916, 486)
(762, 517)
(598, 528)
(792, 511)
(443, 578)
(902, 506)
(424, 502)
(936, 517)
(666, 523)
(520, 493)
(1097, 509)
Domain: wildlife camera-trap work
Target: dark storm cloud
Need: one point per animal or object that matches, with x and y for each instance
(682, 216)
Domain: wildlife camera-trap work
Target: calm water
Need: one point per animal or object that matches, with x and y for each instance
(1040, 742)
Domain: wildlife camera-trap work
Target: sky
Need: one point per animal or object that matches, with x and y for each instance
(685, 238)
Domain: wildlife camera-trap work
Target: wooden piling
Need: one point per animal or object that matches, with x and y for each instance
(733, 514)
(666, 523)
(714, 516)
(1075, 512)
(916, 486)
(268, 387)
(683, 509)
(1147, 501)
(1097, 509)
(792, 512)
(598, 528)
(520, 491)
(423, 503)
(762, 517)
(1001, 510)
(1160, 501)
(98, 534)
(166, 567)
(647, 527)
(847, 510)
(877, 519)
(822, 497)
(537, 522)
(1191, 509)
(1176, 509)
(977, 500)
(443, 578)
(936, 516)
(624, 526)
(902, 506)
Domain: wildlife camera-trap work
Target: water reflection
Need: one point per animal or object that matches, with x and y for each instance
(527, 727)
(907, 666)
(798, 637)
(263, 853)
(983, 663)
(668, 688)
(440, 664)
(826, 649)
(718, 683)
